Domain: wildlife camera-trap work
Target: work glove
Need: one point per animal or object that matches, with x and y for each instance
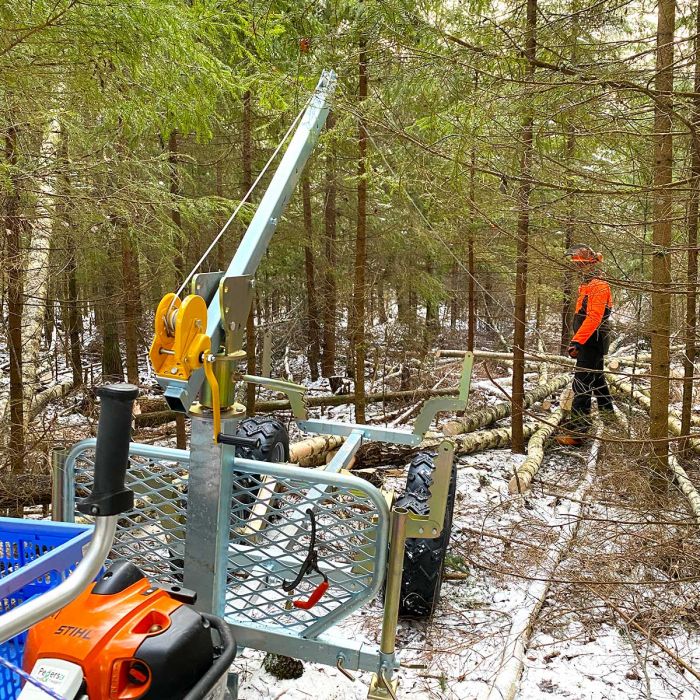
(573, 349)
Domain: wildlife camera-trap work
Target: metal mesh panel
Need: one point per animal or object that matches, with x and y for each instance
(152, 536)
(269, 542)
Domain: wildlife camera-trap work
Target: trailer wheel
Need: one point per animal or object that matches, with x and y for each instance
(273, 446)
(424, 559)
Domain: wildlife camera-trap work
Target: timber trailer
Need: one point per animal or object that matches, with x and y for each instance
(282, 553)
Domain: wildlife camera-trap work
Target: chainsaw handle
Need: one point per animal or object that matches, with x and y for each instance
(221, 665)
(313, 598)
(109, 494)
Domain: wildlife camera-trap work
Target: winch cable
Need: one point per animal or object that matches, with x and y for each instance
(239, 207)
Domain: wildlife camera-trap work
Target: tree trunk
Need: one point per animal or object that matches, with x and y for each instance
(567, 307)
(471, 285)
(381, 302)
(175, 193)
(246, 183)
(360, 243)
(471, 328)
(313, 328)
(454, 289)
(112, 369)
(73, 313)
(523, 203)
(661, 260)
(13, 244)
(431, 313)
(691, 320)
(221, 257)
(130, 287)
(36, 279)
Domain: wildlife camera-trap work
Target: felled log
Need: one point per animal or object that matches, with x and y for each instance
(152, 419)
(480, 418)
(624, 386)
(685, 485)
(674, 426)
(535, 454)
(316, 446)
(57, 391)
(315, 401)
(620, 362)
(492, 355)
(376, 454)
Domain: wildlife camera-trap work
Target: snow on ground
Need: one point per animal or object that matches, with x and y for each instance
(454, 656)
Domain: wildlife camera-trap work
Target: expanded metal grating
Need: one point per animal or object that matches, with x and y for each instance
(152, 536)
(270, 539)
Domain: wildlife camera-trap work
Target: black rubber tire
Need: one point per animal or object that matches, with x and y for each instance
(424, 559)
(272, 436)
(273, 446)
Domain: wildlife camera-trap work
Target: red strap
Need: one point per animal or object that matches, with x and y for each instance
(313, 598)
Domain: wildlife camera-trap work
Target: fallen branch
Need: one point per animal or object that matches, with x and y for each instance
(505, 684)
(628, 620)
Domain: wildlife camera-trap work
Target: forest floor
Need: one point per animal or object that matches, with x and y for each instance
(633, 558)
(580, 649)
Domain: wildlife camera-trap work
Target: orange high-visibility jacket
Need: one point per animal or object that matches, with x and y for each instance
(593, 306)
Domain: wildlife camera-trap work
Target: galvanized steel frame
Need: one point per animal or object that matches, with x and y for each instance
(206, 573)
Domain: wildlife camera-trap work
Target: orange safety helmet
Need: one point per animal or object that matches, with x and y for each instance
(582, 253)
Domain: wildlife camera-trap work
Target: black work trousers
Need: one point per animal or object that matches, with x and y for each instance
(589, 382)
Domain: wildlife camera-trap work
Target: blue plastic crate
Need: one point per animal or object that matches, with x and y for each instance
(35, 556)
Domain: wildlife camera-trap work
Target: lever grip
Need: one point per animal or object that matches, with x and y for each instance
(315, 596)
(238, 441)
(109, 494)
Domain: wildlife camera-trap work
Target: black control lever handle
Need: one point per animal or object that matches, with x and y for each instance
(109, 493)
(239, 441)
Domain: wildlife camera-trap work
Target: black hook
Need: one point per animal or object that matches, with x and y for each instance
(311, 561)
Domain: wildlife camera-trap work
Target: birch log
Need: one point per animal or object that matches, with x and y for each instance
(674, 425)
(520, 483)
(624, 386)
(375, 454)
(314, 447)
(57, 391)
(685, 485)
(482, 417)
(491, 355)
(37, 270)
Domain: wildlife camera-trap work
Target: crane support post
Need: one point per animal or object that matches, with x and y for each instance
(180, 392)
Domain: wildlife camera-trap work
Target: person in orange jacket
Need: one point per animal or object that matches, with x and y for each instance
(590, 343)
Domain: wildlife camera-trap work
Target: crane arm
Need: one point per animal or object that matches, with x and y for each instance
(228, 299)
